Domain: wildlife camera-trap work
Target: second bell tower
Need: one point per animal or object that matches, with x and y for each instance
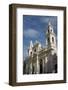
(51, 37)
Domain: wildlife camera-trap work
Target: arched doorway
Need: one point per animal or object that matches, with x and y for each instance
(41, 66)
(55, 68)
(32, 69)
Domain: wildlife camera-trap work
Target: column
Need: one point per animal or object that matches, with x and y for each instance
(37, 65)
(30, 70)
(45, 64)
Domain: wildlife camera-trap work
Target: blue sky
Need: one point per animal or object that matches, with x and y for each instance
(34, 28)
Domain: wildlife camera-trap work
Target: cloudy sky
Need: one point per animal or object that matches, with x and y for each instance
(34, 28)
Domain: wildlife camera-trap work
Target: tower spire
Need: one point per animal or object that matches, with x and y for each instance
(31, 44)
(30, 49)
(49, 24)
(50, 27)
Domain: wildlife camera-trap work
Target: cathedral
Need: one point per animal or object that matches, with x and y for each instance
(42, 60)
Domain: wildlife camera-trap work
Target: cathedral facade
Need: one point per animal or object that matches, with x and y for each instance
(42, 60)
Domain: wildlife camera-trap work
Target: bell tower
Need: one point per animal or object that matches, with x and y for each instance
(51, 37)
(30, 51)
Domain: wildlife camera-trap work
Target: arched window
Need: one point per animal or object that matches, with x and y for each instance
(53, 39)
(48, 40)
(48, 30)
(35, 50)
(31, 53)
(51, 30)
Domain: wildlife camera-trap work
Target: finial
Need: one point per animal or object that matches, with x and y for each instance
(49, 24)
(36, 42)
(31, 44)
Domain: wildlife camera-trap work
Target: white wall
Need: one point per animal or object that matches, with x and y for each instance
(4, 44)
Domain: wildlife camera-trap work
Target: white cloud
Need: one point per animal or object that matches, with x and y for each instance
(31, 33)
(47, 19)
